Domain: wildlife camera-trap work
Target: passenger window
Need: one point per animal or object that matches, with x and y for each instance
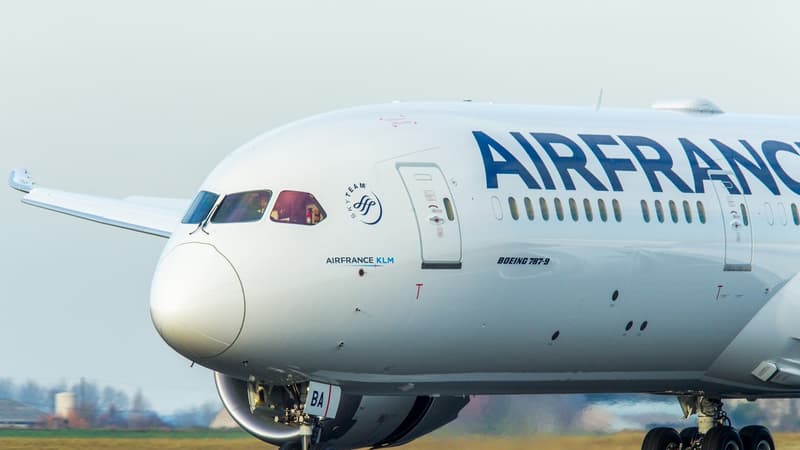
(745, 219)
(529, 208)
(544, 209)
(512, 205)
(587, 208)
(297, 207)
(701, 212)
(645, 211)
(617, 210)
(559, 209)
(673, 211)
(770, 215)
(242, 207)
(687, 211)
(795, 214)
(497, 208)
(448, 209)
(573, 209)
(200, 207)
(659, 211)
(601, 206)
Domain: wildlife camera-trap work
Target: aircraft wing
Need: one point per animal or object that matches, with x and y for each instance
(151, 215)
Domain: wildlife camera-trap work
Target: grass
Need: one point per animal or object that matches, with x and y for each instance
(124, 439)
(206, 440)
(122, 434)
(617, 441)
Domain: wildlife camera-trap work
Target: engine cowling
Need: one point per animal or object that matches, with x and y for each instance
(361, 421)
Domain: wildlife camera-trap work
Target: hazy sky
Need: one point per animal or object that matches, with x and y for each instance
(146, 97)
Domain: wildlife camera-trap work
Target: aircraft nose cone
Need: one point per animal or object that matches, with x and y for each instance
(197, 301)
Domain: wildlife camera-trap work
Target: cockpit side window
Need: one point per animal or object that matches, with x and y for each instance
(242, 207)
(297, 207)
(200, 207)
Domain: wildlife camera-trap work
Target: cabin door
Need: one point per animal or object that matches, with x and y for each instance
(436, 215)
(738, 233)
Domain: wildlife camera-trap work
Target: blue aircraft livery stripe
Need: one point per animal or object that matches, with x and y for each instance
(653, 158)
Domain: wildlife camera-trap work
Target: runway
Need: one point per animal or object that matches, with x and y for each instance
(166, 440)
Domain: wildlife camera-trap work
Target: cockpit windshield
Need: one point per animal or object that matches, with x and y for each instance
(297, 207)
(242, 207)
(200, 207)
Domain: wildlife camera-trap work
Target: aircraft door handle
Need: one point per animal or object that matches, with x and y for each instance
(436, 220)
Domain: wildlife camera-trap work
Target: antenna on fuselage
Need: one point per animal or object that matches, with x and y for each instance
(599, 100)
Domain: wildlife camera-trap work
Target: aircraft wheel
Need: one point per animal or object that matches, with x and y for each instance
(722, 438)
(756, 437)
(661, 438)
(688, 435)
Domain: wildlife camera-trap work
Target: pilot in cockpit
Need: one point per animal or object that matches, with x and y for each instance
(297, 208)
(261, 204)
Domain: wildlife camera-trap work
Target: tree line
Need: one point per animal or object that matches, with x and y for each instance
(99, 406)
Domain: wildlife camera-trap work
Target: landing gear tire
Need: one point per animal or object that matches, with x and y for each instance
(662, 439)
(688, 435)
(756, 437)
(722, 438)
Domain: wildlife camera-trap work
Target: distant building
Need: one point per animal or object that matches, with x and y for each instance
(65, 405)
(223, 421)
(14, 414)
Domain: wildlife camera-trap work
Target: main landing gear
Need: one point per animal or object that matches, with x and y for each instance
(310, 433)
(713, 430)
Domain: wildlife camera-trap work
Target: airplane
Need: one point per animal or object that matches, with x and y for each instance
(354, 277)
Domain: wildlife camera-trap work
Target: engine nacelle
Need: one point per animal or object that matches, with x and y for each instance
(361, 421)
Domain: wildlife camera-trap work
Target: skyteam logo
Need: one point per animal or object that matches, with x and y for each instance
(362, 204)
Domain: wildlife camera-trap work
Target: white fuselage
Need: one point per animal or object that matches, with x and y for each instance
(486, 295)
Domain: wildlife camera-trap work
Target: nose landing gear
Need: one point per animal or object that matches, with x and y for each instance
(713, 431)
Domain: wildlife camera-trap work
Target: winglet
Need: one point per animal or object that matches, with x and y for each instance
(20, 180)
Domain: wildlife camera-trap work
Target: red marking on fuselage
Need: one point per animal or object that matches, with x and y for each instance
(328, 405)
